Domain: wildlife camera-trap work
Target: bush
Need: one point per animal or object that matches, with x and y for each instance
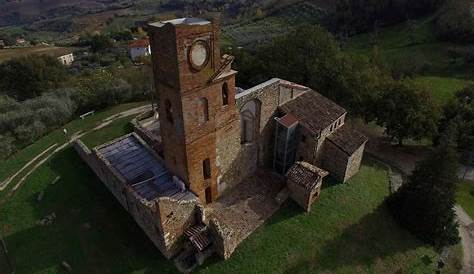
(7, 146)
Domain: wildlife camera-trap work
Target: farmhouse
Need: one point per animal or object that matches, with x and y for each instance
(139, 48)
(66, 58)
(219, 160)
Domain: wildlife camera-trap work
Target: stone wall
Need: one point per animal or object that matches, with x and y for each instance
(224, 243)
(353, 164)
(152, 140)
(303, 197)
(163, 219)
(334, 160)
(237, 161)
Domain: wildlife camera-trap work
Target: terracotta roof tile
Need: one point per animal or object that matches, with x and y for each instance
(313, 110)
(347, 139)
(305, 174)
(141, 43)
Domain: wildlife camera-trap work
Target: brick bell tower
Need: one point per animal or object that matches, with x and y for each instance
(196, 88)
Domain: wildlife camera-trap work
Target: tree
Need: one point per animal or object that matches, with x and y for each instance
(425, 204)
(28, 77)
(455, 21)
(406, 111)
(96, 42)
(458, 119)
(311, 56)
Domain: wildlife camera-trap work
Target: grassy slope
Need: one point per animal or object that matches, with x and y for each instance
(442, 75)
(15, 162)
(347, 231)
(465, 197)
(7, 54)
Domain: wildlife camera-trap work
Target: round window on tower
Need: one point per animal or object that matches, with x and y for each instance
(199, 54)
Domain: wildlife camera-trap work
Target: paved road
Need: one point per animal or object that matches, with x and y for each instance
(466, 231)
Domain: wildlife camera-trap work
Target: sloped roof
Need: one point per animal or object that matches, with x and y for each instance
(313, 111)
(306, 175)
(347, 139)
(140, 43)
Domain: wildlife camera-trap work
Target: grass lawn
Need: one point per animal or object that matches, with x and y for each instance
(465, 197)
(443, 88)
(348, 231)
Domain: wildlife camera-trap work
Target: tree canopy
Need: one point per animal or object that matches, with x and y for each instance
(458, 119)
(28, 77)
(425, 205)
(406, 111)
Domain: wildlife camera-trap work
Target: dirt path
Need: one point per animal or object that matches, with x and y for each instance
(5, 183)
(466, 231)
(76, 135)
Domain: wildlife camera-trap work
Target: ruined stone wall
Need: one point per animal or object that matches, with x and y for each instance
(334, 160)
(152, 140)
(353, 164)
(237, 161)
(163, 220)
(222, 239)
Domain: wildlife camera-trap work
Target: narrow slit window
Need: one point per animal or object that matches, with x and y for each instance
(225, 94)
(169, 111)
(204, 110)
(206, 169)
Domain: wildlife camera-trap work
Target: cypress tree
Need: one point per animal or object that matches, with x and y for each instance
(425, 204)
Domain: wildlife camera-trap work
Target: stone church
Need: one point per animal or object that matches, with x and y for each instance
(216, 161)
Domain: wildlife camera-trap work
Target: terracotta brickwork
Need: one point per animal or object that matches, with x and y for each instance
(192, 109)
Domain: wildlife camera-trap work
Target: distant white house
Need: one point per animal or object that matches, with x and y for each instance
(20, 41)
(139, 48)
(66, 59)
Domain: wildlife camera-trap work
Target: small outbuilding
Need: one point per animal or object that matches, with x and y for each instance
(139, 48)
(304, 182)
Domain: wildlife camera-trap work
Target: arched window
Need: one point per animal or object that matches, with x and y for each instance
(203, 110)
(249, 117)
(225, 94)
(169, 111)
(206, 169)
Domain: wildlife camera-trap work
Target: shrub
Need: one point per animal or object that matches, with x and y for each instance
(7, 146)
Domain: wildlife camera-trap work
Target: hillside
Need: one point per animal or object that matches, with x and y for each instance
(418, 52)
(14, 12)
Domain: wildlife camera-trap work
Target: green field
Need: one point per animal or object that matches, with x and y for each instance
(349, 230)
